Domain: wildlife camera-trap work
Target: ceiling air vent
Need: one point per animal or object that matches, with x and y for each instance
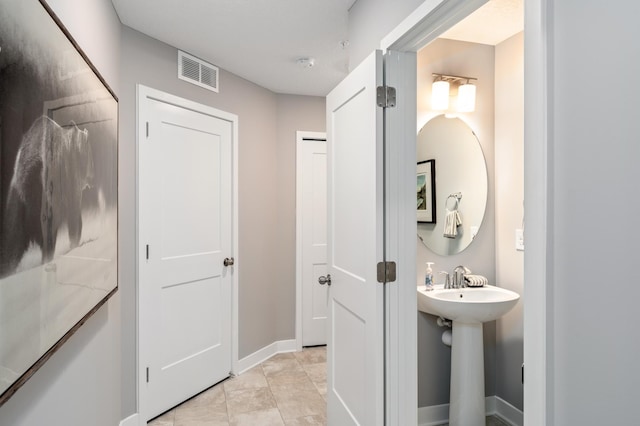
(197, 71)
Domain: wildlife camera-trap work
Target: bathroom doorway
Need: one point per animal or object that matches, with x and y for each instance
(482, 180)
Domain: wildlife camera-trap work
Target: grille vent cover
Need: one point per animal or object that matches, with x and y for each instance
(197, 71)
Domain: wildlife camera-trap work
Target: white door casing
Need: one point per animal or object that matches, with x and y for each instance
(311, 238)
(186, 228)
(355, 347)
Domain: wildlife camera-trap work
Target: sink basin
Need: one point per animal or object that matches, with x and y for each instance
(468, 305)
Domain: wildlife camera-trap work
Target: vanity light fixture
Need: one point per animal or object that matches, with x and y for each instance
(466, 100)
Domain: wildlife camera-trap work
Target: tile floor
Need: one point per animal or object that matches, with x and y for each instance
(288, 389)
(491, 421)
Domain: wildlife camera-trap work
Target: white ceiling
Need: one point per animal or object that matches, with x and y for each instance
(493, 23)
(261, 40)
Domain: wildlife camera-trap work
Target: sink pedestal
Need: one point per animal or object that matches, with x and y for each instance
(466, 405)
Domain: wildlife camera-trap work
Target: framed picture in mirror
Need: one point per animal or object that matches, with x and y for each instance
(426, 191)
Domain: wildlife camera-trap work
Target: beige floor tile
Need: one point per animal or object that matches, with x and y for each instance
(307, 421)
(490, 421)
(246, 400)
(280, 357)
(207, 409)
(294, 403)
(164, 420)
(316, 372)
(251, 379)
(318, 375)
(287, 389)
(314, 355)
(280, 366)
(290, 379)
(269, 417)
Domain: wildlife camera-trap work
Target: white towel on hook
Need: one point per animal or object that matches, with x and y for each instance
(451, 222)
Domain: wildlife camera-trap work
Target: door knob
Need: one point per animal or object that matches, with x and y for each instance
(229, 261)
(325, 280)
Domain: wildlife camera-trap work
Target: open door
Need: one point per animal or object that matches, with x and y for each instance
(355, 346)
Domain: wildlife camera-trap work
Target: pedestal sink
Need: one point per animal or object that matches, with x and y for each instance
(468, 308)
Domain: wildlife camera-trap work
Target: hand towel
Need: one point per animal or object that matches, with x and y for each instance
(451, 222)
(475, 280)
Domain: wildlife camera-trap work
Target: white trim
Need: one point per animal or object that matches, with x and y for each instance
(538, 258)
(433, 415)
(235, 302)
(427, 22)
(261, 355)
(508, 412)
(400, 297)
(132, 420)
(144, 92)
(301, 136)
(439, 414)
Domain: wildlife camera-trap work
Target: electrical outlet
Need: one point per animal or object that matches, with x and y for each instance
(520, 239)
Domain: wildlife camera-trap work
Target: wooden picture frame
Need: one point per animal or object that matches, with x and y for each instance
(426, 191)
(58, 190)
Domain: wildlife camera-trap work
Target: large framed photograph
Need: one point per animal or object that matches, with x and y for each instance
(58, 189)
(426, 191)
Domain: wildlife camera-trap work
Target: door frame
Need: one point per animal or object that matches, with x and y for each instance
(426, 23)
(142, 112)
(301, 136)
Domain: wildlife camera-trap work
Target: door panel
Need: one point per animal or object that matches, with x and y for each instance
(355, 204)
(185, 222)
(313, 179)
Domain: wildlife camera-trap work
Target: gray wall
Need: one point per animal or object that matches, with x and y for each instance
(469, 59)
(80, 384)
(266, 260)
(509, 212)
(370, 21)
(593, 175)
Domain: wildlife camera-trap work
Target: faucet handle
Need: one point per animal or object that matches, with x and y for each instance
(447, 279)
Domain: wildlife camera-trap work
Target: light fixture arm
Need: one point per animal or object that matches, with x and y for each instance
(452, 78)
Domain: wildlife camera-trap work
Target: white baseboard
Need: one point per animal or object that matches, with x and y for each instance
(433, 415)
(439, 414)
(265, 353)
(508, 412)
(132, 420)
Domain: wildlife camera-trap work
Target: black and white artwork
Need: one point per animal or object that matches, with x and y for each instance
(58, 189)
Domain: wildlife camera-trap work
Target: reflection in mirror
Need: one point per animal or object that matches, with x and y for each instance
(451, 185)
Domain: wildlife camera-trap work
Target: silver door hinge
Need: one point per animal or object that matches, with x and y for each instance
(386, 272)
(147, 129)
(386, 96)
(147, 374)
(147, 251)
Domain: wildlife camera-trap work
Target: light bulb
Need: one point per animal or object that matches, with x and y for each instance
(440, 95)
(466, 98)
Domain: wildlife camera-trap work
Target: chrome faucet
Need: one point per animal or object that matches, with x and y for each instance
(447, 279)
(458, 276)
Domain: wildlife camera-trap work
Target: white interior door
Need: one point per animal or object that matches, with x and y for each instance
(312, 226)
(355, 363)
(185, 220)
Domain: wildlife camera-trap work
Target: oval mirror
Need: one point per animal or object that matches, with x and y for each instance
(451, 185)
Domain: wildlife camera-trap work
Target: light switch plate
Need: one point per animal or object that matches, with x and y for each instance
(520, 239)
